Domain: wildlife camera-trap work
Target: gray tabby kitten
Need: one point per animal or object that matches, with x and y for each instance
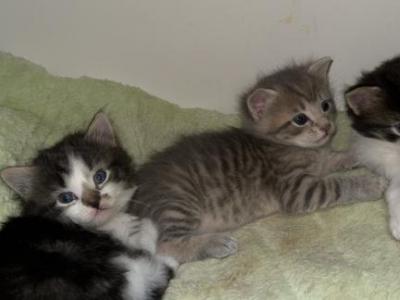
(207, 184)
(87, 179)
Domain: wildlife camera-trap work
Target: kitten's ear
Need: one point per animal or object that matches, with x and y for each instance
(20, 179)
(321, 67)
(100, 131)
(363, 99)
(259, 101)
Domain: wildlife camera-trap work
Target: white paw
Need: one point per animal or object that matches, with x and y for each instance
(395, 228)
(376, 187)
(350, 160)
(383, 184)
(221, 246)
(148, 235)
(169, 261)
(142, 234)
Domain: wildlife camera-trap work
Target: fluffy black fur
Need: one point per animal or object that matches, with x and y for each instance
(378, 123)
(44, 259)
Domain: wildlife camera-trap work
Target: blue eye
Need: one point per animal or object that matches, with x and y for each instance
(300, 119)
(66, 197)
(100, 176)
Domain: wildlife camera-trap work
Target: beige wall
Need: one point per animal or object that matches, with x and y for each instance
(198, 52)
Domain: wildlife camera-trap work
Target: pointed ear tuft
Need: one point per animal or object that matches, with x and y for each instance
(20, 179)
(321, 67)
(100, 131)
(363, 99)
(259, 101)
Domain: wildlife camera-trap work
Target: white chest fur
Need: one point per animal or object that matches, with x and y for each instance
(380, 156)
(384, 158)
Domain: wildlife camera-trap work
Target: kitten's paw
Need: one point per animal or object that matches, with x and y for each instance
(149, 235)
(381, 184)
(395, 228)
(221, 246)
(132, 224)
(349, 161)
(134, 232)
(169, 261)
(376, 186)
(142, 234)
(353, 164)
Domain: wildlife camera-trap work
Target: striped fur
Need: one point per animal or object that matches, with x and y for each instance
(207, 184)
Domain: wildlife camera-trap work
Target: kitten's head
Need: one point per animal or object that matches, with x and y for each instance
(292, 106)
(373, 104)
(86, 177)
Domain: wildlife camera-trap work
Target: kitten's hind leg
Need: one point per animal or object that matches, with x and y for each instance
(198, 247)
(186, 235)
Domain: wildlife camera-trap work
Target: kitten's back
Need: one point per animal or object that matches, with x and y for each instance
(213, 171)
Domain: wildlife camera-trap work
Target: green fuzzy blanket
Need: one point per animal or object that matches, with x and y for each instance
(341, 253)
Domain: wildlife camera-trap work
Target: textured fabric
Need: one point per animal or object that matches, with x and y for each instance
(346, 252)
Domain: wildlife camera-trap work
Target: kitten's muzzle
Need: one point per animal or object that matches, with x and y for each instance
(326, 129)
(91, 198)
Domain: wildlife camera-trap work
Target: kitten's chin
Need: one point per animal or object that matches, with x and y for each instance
(322, 141)
(302, 142)
(96, 217)
(313, 144)
(102, 216)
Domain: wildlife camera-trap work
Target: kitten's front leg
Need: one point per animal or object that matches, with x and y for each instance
(310, 192)
(133, 231)
(393, 200)
(335, 161)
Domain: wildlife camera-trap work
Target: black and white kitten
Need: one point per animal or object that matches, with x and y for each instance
(373, 105)
(87, 179)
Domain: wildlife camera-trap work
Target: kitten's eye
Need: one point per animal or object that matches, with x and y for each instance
(396, 128)
(66, 197)
(100, 176)
(300, 120)
(325, 105)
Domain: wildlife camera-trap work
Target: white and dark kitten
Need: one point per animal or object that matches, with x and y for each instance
(87, 179)
(373, 105)
(42, 258)
(208, 184)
